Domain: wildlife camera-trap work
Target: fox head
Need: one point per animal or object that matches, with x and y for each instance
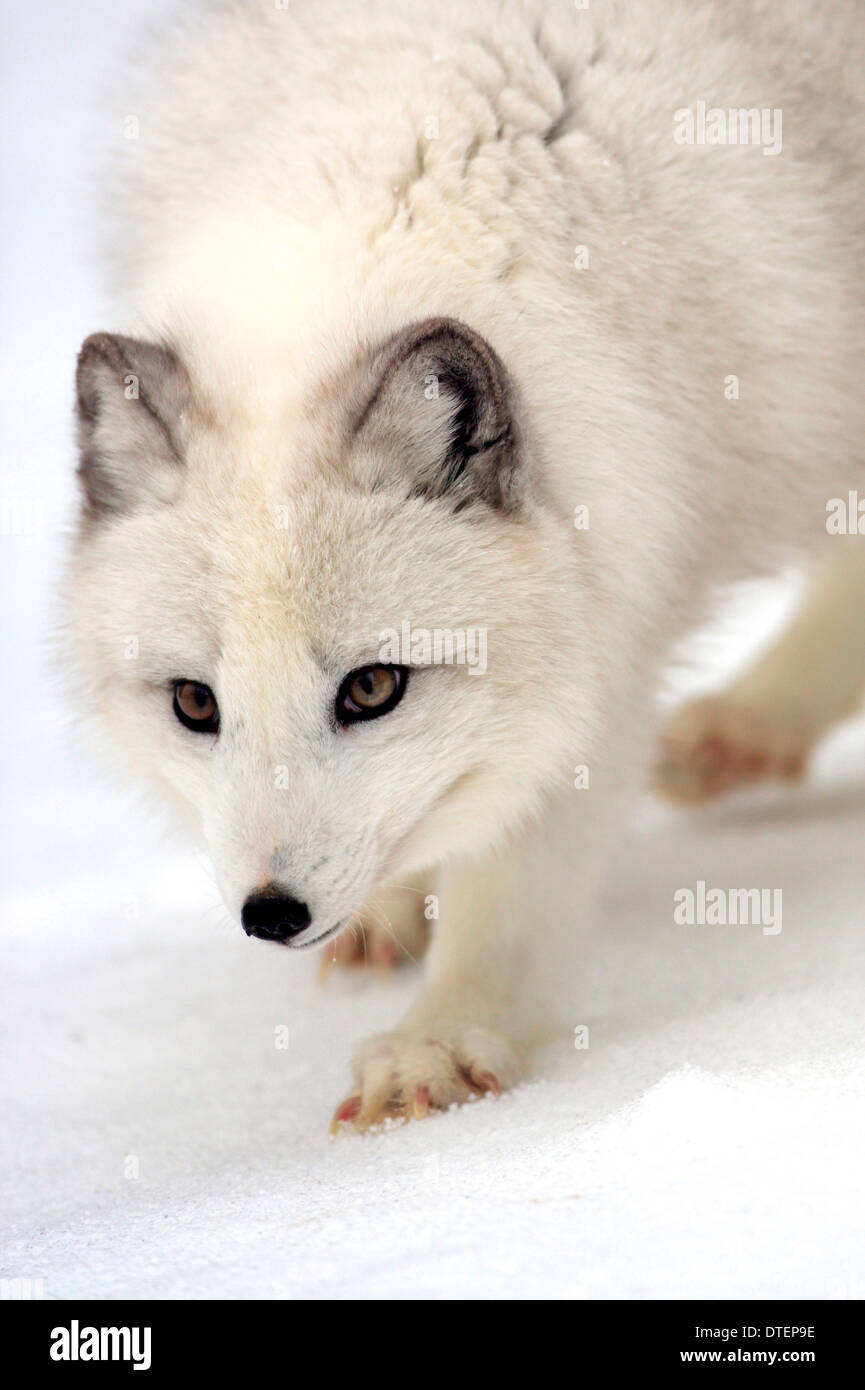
(281, 621)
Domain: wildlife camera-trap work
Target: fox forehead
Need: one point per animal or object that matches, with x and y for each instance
(235, 575)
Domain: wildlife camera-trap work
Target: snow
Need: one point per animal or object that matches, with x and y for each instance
(160, 1141)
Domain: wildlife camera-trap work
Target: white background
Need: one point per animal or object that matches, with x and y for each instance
(709, 1142)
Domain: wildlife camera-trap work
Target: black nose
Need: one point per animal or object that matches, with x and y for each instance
(273, 915)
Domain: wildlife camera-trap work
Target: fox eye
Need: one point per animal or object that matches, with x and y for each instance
(196, 707)
(369, 692)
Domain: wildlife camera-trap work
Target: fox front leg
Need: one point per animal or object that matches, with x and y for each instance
(493, 969)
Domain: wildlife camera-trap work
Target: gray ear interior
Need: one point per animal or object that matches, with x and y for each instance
(133, 399)
(445, 406)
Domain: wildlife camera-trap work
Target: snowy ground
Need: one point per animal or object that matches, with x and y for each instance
(157, 1139)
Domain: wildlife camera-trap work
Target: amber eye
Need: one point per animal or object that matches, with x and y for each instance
(370, 692)
(196, 707)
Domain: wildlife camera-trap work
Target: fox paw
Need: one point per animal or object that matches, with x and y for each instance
(408, 1075)
(713, 744)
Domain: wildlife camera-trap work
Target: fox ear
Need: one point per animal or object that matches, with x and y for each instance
(443, 409)
(133, 399)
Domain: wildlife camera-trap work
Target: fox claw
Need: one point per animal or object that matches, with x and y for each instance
(484, 1083)
(420, 1106)
(345, 1113)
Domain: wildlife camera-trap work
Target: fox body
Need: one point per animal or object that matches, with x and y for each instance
(448, 317)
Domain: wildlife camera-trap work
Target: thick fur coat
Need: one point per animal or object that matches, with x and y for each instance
(429, 314)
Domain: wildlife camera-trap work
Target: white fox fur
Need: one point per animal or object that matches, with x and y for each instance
(307, 183)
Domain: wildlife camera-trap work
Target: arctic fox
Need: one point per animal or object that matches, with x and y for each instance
(525, 318)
